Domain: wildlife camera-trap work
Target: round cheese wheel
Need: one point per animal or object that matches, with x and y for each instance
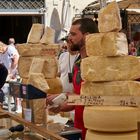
(91, 135)
(110, 118)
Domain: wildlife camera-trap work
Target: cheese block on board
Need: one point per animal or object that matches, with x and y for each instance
(35, 33)
(49, 69)
(24, 64)
(109, 18)
(110, 118)
(37, 107)
(106, 44)
(55, 86)
(38, 49)
(115, 88)
(37, 65)
(38, 80)
(48, 36)
(98, 68)
(92, 135)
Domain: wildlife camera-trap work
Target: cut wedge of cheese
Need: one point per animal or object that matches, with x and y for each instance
(114, 88)
(35, 33)
(106, 44)
(92, 135)
(110, 118)
(38, 80)
(109, 18)
(48, 36)
(98, 68)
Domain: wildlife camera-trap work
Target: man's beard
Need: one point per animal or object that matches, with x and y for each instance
(77, 47)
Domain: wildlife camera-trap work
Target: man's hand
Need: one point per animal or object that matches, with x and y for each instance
(50, 98)
(50, 105)
(54, 109)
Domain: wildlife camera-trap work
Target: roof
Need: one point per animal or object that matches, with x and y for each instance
(130, 5)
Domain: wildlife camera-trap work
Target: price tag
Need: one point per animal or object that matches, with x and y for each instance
(104, 100)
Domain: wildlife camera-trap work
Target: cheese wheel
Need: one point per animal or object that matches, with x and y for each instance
(115, 88)
(92, 135)
(110, 118)
(99, 68)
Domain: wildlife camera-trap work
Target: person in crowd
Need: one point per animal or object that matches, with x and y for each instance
(11, 41)
(63, 46)
(132, 49)
(3, 76)
(9, 57)
(136, 39)
(65, 66)
(76, 39)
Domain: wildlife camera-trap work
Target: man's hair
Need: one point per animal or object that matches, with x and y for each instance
(86, 25)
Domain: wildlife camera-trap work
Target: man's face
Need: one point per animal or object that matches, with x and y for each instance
(76, 38)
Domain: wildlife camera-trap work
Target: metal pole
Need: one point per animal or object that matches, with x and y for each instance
(102, 3)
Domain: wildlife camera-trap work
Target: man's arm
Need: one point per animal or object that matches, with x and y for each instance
(14, 61)
(62, 107)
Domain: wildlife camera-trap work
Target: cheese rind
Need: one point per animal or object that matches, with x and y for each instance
(123, 88)
(106, 44)
(109, 18)
(55, 85)
(110, 118)
(92, 135)
(98, 68)
(38, 49)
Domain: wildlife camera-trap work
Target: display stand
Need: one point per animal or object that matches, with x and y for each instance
(40, 130)
(30, 92)
(27, 92)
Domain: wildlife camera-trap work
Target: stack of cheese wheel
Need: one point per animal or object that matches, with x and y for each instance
(38, 66)
(108, 70)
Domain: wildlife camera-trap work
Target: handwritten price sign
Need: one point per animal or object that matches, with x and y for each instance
(104, 100)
